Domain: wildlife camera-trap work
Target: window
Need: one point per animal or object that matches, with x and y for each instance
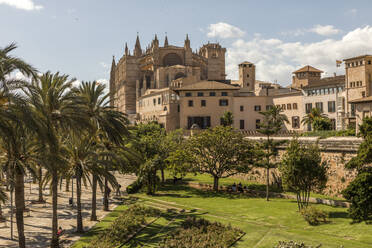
(319, 105)
(224, 102)
(258, 122)
(191, 103)
(257, 108)
(331, 106)
(202, 121)
(283, 106)
(369, 62)
(268, 107)
(154, 101)
(363, 94)
(352, 108)
(200, 94)
(212, 93)
(159, 100)
(289, 106)
(178, 108)
(188, 94)
(223, 93)
(241, 124)
(203, 103)
(294, 105)
(308, 107)
(326, 91)
(295, 122)
(241, 108)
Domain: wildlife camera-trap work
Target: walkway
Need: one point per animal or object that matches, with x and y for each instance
(39, 221)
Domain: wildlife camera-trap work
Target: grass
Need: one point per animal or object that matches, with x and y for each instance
(265, 223)
(207, 179)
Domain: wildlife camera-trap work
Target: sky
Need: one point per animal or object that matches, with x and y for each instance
(79, 37)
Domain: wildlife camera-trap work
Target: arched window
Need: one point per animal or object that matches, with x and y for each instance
(148, 82)
(180, 75)
(172, 59)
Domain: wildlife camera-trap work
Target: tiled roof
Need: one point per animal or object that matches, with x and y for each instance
(307, 68)
(358, 57)
(209, 85)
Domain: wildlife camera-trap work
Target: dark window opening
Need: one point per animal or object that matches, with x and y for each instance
(224, 102)
(241, 124)
(203, 122)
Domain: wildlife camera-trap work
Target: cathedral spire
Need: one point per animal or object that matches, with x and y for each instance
(112, 81)
(126, 49)
(187, 41)
(155, 42)
(137, 47)
(166, 40)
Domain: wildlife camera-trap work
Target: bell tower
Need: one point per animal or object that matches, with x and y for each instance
(247, 75)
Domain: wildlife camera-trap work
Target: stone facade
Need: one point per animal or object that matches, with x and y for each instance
(335, 151)
(160, 82)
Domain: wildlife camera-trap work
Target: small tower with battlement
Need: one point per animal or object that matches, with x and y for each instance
(215, 55)
(247, 76)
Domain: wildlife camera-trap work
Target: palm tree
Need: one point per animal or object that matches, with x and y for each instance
(3, 199)
(108, 124)
(13, 127)
(56, 109)
(84, 155)
(314, 114)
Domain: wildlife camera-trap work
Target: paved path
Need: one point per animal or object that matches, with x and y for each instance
(39, 221)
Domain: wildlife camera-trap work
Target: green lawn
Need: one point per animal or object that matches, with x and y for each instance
(207, 179)
(265, 223)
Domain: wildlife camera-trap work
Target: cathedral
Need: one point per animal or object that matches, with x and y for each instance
(155, 67)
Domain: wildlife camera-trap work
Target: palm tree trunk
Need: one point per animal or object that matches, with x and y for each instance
(79, 218)
(19, 203)
(54, 243)
(105, 197)
(93, 216)
(41, 198)
(67, 189)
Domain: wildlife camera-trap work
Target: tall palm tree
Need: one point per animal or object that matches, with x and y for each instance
(315, 113)
(108, 123)
(56, 111)
(84, 155)
(13, 127)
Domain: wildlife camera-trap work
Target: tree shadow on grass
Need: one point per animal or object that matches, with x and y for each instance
(343, 215)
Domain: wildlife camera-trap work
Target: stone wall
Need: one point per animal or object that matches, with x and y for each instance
(337, 151)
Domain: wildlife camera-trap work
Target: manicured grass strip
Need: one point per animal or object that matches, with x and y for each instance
(99, 227)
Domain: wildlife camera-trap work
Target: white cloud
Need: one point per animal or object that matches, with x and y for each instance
(276, 59)
(224, 30)
(326, 30)
(22, 4)
(103, 81)
(104, 65)
(352, 12)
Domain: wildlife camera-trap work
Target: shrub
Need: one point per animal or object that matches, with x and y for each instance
(359, 193)
(293, 244)
(322, 123)
(134, 187)
(202, 234)
(314, 216)
(125, 225)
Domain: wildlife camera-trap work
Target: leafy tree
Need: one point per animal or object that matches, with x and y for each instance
(359, 193)
(364, 155)
(227, 119)
(322, 124)
(150, 143)
(220, 152)
(303, 171)
(314, 114)
(273, 122)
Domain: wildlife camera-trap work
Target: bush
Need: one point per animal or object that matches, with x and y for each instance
(124, 226)
(314, 216)
(322, 124)
(359, 193)
(134, 187)
(293, 244)
(202, 234)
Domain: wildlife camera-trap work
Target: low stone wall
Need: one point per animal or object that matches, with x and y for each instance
(336, 151)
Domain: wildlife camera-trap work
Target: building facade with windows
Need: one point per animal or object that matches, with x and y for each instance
(179, 88)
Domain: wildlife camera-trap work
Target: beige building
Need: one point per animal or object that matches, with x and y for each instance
(178, 88)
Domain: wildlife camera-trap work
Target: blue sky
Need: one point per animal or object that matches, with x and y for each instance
(79, 37)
